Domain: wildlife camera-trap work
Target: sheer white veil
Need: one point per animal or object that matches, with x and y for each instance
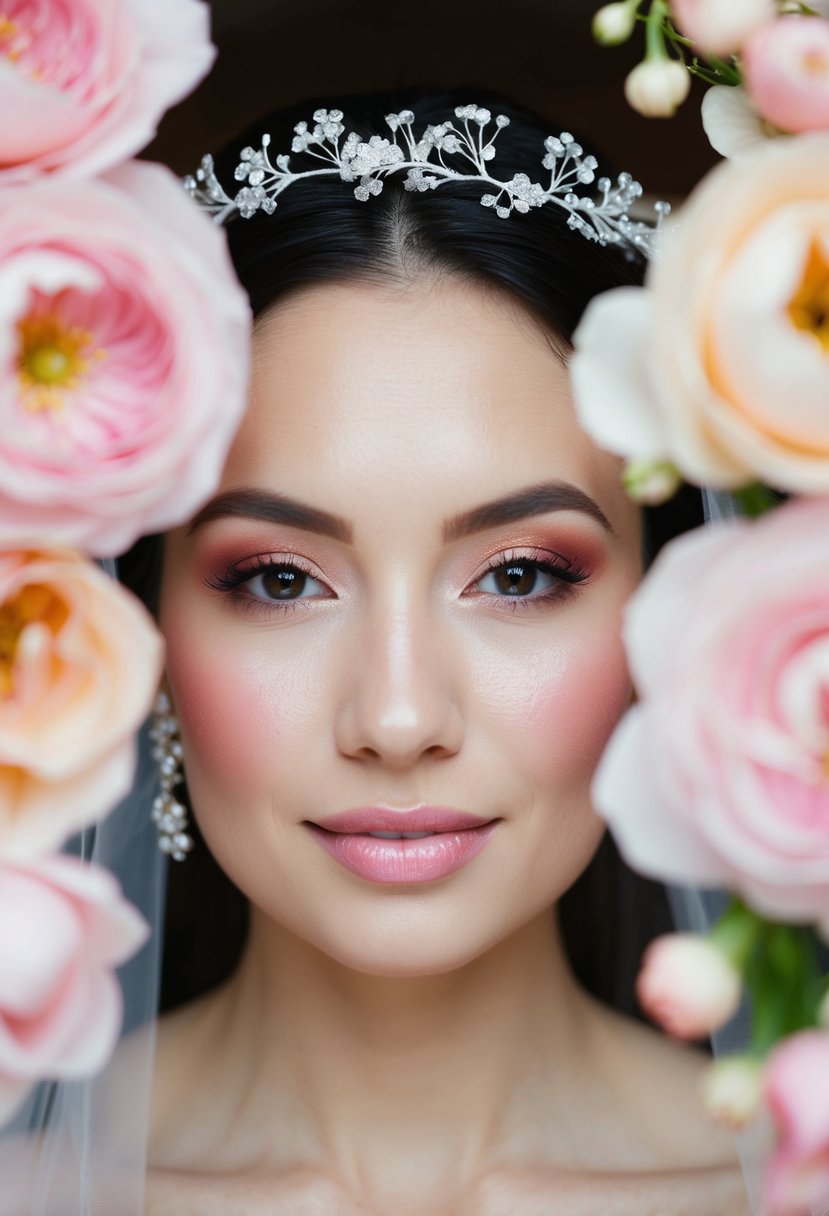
(80, 1148)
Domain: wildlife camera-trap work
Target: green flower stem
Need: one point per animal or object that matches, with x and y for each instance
(654, 34)
(726, 72)
(755, 499)
(737, 932)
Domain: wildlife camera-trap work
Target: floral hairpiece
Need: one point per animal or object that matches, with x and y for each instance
(606, 219)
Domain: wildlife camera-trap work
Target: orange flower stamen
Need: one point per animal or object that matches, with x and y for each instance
(52, 360)
(809, 306)
(33, 603)
(13, 40)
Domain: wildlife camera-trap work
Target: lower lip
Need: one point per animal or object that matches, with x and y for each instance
(402, 861)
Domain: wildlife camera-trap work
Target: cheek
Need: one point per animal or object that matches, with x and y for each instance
(238, 709)
(561, 712)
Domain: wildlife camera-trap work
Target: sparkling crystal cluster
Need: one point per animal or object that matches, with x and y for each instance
(605, 218)
(169, 814)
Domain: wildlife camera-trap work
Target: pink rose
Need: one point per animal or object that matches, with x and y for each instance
(687, 985)
(720, 774)
(84, 82)
(719, 364)
(797, 1090)
(786, 70)
(125, 338)
(80, 661)
(65, 926)
(719, 27)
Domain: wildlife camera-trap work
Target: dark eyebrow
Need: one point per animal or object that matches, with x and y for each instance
(279, 509)
(535, 500)
(273, 509)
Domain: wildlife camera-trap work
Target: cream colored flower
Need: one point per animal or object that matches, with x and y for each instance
(731, 122)
(80, 659)
(721, 363)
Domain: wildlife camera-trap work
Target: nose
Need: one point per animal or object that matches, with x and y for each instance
(398, 705)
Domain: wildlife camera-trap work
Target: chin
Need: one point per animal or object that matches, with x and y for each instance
(401, 945)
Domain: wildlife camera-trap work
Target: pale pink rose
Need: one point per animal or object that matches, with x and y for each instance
(731, 122)
(65, 927)
(687, 985)
(719, 775)
(80, 661)
(124, 336)
(719, 27)
(83, 83)
(785, 66)
(719, 364)
(797, 1090)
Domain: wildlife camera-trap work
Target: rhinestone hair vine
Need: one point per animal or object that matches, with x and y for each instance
(605, 219)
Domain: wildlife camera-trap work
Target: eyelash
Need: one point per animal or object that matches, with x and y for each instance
(567, 573)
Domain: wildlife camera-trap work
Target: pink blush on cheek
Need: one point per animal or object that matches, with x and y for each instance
(569, 712)
(230, 720)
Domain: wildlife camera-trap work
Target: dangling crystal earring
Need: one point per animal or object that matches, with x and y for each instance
(168, 813)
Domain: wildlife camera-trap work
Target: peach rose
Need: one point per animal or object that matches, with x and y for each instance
(65, 926)
(124, 351)
(719, 775)
(786, 71)
(80, 661)
(720, 365)
(797, 1090)
(86, 81)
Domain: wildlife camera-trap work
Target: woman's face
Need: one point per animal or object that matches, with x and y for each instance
(405, 596)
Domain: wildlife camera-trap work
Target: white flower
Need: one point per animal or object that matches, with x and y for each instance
(614, 23)
(731, 122)
(656, 87)
(732, 1091)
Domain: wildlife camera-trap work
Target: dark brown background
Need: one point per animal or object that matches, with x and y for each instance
(540, 51)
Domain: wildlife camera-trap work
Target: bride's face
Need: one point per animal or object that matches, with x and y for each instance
(405, 595)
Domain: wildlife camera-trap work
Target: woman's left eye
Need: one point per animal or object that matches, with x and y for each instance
(529, 578)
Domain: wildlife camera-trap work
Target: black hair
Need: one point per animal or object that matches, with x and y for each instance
(321, 233)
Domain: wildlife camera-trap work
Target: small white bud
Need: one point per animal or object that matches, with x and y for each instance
(732, 1090)
(614, 23)
(656, 87)
(651, 482)
(687, 985)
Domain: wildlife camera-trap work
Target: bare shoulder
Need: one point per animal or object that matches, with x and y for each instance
(660, 1122)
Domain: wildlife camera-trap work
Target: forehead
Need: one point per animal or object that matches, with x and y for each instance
(442, 386)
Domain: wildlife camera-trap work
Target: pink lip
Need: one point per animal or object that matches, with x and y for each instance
(454, 840)
(419, 819)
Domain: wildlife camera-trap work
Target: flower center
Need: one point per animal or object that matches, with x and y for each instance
(13, 40)
(52, 360)
(33, 603)
(809, 306)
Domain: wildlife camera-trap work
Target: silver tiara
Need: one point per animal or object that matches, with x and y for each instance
(605, 219)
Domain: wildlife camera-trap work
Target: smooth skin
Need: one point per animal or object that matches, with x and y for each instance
(417, 1050)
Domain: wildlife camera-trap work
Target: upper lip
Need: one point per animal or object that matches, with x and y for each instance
(417, 819)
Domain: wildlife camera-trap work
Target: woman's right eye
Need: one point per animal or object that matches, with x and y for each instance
(284, 582)
(270, 583)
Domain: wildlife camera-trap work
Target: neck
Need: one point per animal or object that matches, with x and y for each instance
(383, 1076)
